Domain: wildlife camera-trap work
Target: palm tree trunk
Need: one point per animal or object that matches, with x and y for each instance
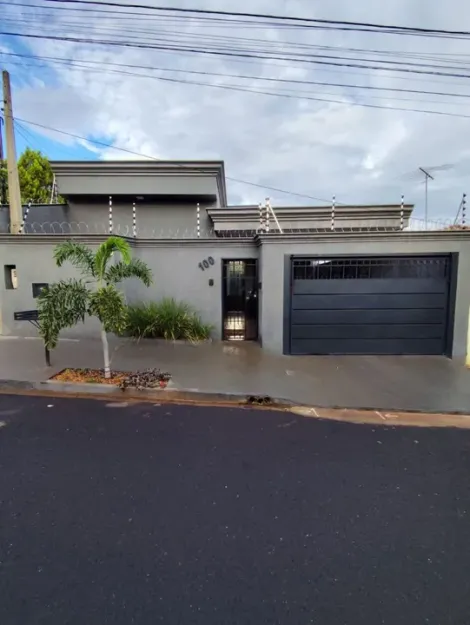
(104, 341)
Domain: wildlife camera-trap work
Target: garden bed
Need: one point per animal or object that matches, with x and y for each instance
(150, 378)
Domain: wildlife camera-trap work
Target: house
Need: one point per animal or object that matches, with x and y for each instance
(304, 280)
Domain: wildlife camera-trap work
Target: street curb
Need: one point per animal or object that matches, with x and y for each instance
(113, 391)
(352, 416)
(175, 394)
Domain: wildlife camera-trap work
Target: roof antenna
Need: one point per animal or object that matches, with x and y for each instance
(427, 176)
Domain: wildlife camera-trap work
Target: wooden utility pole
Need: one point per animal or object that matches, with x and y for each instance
(3, 182)
(12, 166)
(1, 139)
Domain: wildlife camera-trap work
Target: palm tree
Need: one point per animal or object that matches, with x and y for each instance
(65, 303)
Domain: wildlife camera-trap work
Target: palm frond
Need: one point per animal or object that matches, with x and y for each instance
(78, 254)
(61, 305)
(107, 303)
(106, 250)
(136, 268)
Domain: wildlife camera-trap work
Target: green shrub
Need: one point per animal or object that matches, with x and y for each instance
(167, 319)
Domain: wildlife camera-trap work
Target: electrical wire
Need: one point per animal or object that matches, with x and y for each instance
(256, 42)
(295, 93)
(90, 62)
(304, 20)
(21, 133)
(296, 96)
(146, 156)
(270, 43)
(187, 39)
(193, 50)
(272, 46)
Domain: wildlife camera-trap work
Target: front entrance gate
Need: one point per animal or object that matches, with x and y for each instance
(240, 300)
(370, 305)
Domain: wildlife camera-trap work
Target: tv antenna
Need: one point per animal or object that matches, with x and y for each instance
(429, 173)
(427, 177)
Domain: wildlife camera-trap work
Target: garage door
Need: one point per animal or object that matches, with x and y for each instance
(390, 305)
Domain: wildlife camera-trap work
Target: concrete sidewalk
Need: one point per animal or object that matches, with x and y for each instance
(429, 384)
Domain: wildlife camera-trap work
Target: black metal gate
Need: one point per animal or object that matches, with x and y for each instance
(387, 305)
(240, 300)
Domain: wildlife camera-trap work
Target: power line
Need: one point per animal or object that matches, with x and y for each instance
(120, 149)
(224, 44)
(252, 60)
(295, 94)
(304, 20)
(75, 62)
(207, 21)
(193, 50)
(22, 134)
(433, 56)
(299, 95)
(240, 88)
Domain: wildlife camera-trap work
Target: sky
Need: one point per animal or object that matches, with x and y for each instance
(311, 141)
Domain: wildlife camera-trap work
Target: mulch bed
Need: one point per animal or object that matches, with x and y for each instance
(150, 378)
(89, 376)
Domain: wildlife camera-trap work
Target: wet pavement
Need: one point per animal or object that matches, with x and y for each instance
(146, 514)
(427, 383)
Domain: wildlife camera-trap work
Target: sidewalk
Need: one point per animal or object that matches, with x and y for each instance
(428, 384)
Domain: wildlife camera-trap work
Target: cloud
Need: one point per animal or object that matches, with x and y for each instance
(317, 148)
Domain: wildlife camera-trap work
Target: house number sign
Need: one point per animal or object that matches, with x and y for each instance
(206, 263)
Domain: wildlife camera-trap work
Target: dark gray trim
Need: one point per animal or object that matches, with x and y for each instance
(375, 255)
(450, 321)
(96, 239)
(361, 237)
(286, 314)
(305, 218)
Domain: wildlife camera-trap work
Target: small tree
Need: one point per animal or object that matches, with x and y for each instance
(36, 178)
(3, 182)
(64, 304)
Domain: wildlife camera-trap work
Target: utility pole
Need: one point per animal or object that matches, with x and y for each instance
(3, 186)
(1, 139)
(426, 178)
(13, 179)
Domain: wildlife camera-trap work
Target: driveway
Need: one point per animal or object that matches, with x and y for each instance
(193, 515)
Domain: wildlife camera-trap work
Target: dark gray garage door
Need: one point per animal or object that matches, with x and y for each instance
(390, 305)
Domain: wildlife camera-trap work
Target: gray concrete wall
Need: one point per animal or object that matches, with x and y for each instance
(154, 220)
(34, 263)
(272, 277)
(174, 266)
(151, 184)
(177, 274)
(40, 217)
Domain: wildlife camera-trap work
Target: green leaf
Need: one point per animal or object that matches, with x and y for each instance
(66, 303)
(107, 303)
(36, 178)
(105, 252)
(78, 254)
(61, 305)
(136, 268)
(3, 182)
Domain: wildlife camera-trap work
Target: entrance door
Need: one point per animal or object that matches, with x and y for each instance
(240, 300)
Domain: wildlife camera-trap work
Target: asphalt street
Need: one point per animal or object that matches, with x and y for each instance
(193, 515)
